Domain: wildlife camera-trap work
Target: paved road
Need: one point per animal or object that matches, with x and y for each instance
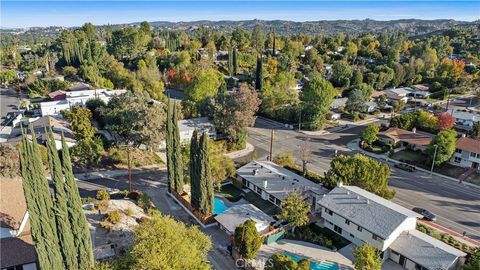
(8, 102)
(153, 182)
(457, 206)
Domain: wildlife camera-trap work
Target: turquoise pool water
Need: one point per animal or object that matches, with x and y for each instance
(219, 206)
(316, 266)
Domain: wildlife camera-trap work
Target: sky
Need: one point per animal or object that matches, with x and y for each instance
(75, 13)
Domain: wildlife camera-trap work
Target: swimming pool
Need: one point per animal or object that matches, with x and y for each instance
(219, 206)
(316, 266)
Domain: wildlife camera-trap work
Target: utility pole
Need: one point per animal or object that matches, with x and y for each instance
(448, 99)
(270, 157)
(434, 156)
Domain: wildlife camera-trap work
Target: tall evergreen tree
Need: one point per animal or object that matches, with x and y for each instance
(194, 172)
(205, 177)
(258, 75)
(234, 61)
(230, 62)
(61, 212)
(80, 228)
(39, 206)
(177, 154)
(274, 53)
(169, 146)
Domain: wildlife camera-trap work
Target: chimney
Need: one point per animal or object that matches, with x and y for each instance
(255, 171)
(368, 201)
(339, 184)
(414, 130)
(265, 184)
(464, 135)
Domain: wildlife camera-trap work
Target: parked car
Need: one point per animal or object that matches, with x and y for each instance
(425, 213)
(406, 167)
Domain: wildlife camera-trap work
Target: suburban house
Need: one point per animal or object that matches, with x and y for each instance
(76, 98)
(398, 94)
(421, 91)
(57, 95)
(201, 124)
(338, 103)
(363, 217)
(274, 183)
(239, 214)
(17, 250)
(370, 107)
(39, 124)
(417, 140)
(467, 153)
(465, 120)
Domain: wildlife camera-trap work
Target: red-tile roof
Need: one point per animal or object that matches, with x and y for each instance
(416, 138)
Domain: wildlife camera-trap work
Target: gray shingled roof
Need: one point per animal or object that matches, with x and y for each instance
(239, 214)
(371, 212)
(425, 250)
(280, 181)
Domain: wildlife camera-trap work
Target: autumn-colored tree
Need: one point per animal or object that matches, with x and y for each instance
(445, 121)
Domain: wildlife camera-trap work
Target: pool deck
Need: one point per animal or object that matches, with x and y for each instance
(302, 249)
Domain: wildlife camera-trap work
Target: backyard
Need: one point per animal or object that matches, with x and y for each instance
(317, 235)
(233, 194)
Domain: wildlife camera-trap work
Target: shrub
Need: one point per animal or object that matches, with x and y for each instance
(129, 212)
(103, 195)
(88, 200)
(102, 206)
(134, 195)
(113, 217)
(144, 201)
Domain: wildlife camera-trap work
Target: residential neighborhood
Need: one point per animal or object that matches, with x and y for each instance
(302, 138)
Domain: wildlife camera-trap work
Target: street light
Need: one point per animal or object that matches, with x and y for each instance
(434, 156)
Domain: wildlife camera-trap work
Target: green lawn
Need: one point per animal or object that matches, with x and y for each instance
(230, 192)
(415, 157)
(449, 170)
(266, 206)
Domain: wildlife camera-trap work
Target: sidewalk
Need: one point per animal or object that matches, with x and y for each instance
(456, 235)
(113, 173)
(241, 153)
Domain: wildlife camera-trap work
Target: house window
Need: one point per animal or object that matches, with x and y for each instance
(271, 198)
(458, 151)
(376, 237)
(330, 212)
(352, 236)
(347, 221)
(337, 229)
(278, 202)
(478, 155)
(258, 190)
(359, 228)
(472, 154)
(394, 252)
(457, 160)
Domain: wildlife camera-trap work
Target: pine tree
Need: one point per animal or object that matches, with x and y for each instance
(273, 47)
(80, 228)
(258, 75)
(177, 155)
(39, 206)
(234, 61)
(206, 181)
(169, 146)
(194, 172)
(61, 213)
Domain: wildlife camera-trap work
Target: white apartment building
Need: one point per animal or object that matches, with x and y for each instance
(467, 153)
(362, 217)
(465, 120)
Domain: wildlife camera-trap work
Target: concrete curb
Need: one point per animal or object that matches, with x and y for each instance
(241, 153)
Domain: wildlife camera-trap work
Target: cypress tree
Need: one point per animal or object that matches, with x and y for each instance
(194, 173)
(273, 49)
(234, 61)
(39, 206)
(230, 62)
(177, 155)
(61, 213)
(206, 181)
(169, 146)
(258, 75)
(80, 228)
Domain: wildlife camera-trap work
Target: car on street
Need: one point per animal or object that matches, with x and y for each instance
(406, 167)
(427, 215)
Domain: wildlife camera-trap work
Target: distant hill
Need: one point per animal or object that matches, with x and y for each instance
(409, 26)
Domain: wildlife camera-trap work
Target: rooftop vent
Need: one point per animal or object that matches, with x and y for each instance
(358, 197)
(255, 171)
(368, 201)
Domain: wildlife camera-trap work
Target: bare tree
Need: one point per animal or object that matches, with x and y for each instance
(305, 154)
